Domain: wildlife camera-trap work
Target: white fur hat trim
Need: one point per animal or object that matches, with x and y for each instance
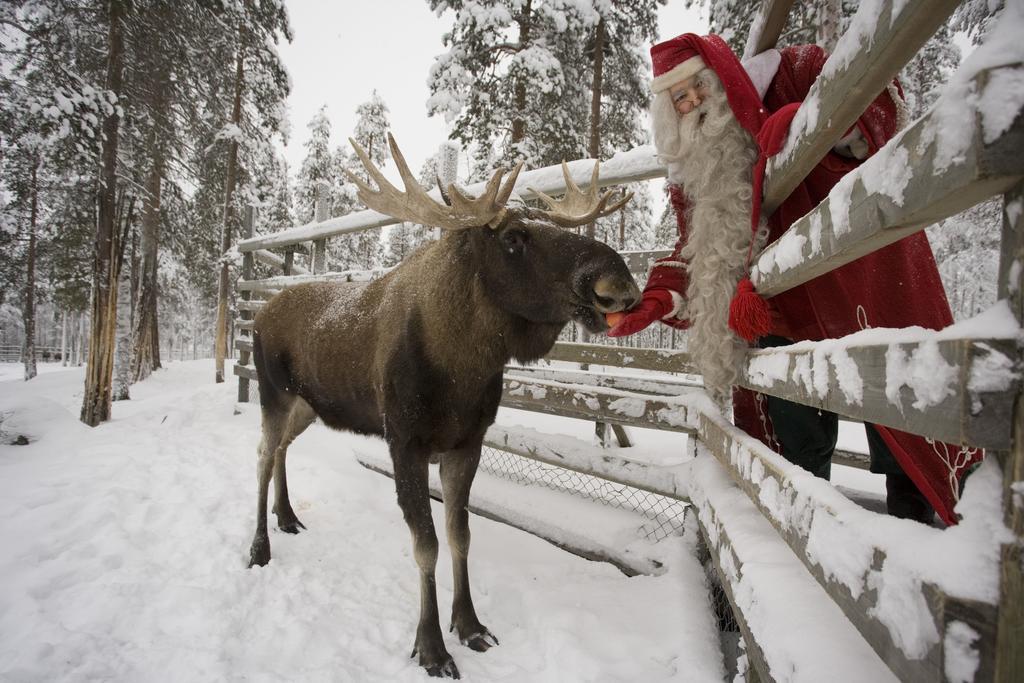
(762, 69)
(680, 72)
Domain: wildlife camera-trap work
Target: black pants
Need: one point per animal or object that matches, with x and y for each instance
(808, 438)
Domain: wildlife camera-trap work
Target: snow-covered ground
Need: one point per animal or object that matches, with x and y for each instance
(124, 552)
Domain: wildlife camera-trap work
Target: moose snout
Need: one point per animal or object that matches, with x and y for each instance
(613, 294)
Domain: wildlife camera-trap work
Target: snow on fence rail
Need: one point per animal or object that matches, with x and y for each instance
(922, 603)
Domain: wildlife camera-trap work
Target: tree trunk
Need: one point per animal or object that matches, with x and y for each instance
(123, 347)
(594, 145)
(64, 338)
(123, 358)
(229, 217)
(519, 90)
(29, 314)
(145, 357)
(80, 340)
(97, 396)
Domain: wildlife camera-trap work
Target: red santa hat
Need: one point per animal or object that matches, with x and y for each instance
(672, 66)
(679, 58)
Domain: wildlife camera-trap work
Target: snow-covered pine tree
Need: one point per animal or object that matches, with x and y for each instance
(975, 17)
(511, 81)
(277, 210)
(316, 173)
(343, 200)
(666, 230)
(396, 244)
(371, 133)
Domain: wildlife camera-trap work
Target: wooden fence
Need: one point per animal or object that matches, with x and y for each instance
(922, 619)
(13, 353)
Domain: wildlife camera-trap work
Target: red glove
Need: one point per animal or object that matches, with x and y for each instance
(655, 305)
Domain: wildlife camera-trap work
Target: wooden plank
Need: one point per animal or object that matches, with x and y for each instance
(1009, 655)
(765, 478)
(621, 436)
(767, 26)
(859, 217)
(248, 225)
(666, 360)
(671, 413)
(251, 304)
(320, 256)
(860, 461)
(245, 372)
(243, 324)
(635, 165)
(320, 245)
(961, 402)
(271, 259)
(244, 345)
(273, 284)
(644, 384)
(583, 457)
(847, 86)
(722, 555)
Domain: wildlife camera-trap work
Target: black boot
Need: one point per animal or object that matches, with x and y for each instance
(903, 500)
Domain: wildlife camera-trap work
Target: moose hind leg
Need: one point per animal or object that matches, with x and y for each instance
(259, 552)
(414, 499)
(457, 471)
(299, 418)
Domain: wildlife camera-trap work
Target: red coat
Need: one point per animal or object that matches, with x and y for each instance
(896, 286)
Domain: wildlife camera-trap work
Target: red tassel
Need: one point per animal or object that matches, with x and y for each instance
(748, 312)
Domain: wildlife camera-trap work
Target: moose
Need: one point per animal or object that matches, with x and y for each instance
(416, 356)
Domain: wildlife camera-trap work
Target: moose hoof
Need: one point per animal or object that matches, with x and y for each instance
(438, 666)
(445, 669)
(480, 642)
(259, 553)
(291, 527)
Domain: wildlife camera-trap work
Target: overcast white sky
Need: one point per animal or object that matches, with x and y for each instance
(344, 50)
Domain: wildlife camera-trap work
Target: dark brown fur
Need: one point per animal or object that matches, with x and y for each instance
(417, 357)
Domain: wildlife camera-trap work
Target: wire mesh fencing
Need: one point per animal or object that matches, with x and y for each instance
(663, 517)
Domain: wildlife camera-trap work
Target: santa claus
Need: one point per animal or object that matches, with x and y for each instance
(715, 122)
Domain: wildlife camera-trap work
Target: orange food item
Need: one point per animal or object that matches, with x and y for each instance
(614, 319)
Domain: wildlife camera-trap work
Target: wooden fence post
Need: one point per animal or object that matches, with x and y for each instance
(248, 222)
(1009, 665)
(320, 245)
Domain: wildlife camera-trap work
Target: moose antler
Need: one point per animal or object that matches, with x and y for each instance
(416, 206)
(577, 207)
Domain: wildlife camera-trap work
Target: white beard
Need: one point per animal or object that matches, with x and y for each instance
(711, 157)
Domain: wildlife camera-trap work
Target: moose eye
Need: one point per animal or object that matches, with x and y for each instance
(515, 240)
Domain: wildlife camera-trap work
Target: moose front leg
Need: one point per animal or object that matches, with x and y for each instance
(411, 485)
(457, 471)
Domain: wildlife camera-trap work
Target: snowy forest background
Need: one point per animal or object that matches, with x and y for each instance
(133, 135)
